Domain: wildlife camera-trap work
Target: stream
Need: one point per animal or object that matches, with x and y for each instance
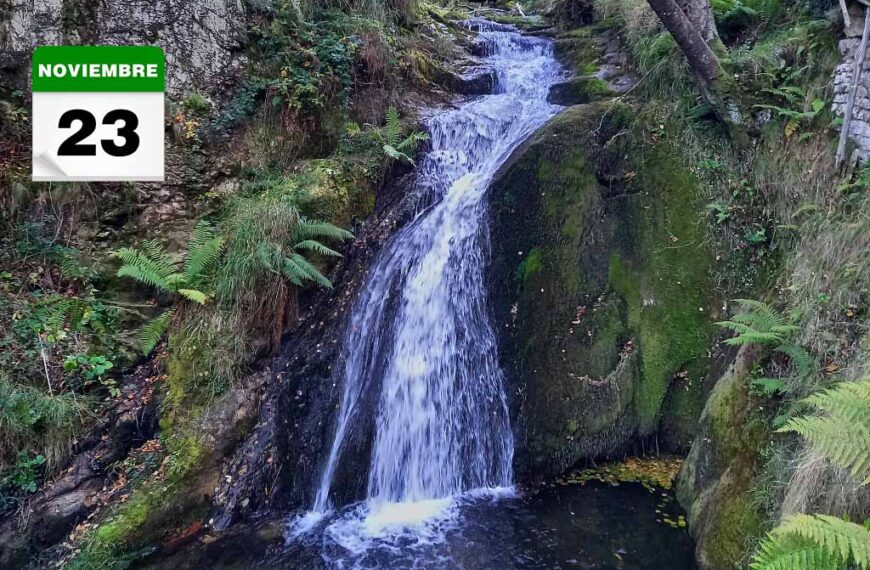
(440, 490)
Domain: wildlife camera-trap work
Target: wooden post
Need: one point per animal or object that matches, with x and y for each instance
(853, 93)
(847, 21)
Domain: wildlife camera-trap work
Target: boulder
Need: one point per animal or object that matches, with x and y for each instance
(600, 289)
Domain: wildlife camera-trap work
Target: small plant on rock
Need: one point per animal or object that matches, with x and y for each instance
(839, 431)
(762, 324)
(395, 146)
(153, 266)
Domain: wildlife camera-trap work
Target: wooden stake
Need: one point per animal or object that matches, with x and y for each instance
(847, 21)
(853, 93)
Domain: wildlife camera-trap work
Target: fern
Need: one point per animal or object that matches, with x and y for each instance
(193, 295)
(203, 252)
(805, 366)
(316, 247)
(761, 324)
(814, 542)
(393, 127)
(153, 331)
(152, 266)
(393, 143)
(308, 230)
(841, 431)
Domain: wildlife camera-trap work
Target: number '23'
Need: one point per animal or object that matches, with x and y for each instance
(73, 145)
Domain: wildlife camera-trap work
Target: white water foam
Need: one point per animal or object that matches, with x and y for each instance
(420, 330)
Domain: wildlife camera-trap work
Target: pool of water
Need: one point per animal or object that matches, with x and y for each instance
(554, 526)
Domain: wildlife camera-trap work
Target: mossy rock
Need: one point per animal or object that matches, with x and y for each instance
(601, 288)
(340, 190)
(579, 90)
(579, 50)
(716, 479)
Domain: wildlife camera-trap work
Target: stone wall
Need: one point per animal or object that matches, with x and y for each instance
(203, 40)
(859, 127)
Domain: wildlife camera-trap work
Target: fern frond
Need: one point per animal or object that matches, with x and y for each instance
(202, 258)
(847, 541)
(270, 256)
(793, 554)
(307, 229)
(147, 274)
(153, 331)
(202, 232)
(412, 140)
(316, 246)
(312, 273)
(155, 251)
(760, 324)
(765, 316)
(845, 443)
(395, 154)
(805, 366)
(293, 272)
(150, 266)
(393, 127)
(193, 295)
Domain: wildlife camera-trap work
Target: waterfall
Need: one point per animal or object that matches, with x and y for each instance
(419, 329)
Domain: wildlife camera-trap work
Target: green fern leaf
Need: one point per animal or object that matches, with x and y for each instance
(146, 275)
(805, 366)
(310, 271)
(194, 295)
(395, 154)
(295, 274)
(412, 140)
(306, 230)
(203, 252)
(153, 331)
(845, 542)
(316, 246)
(393, 128)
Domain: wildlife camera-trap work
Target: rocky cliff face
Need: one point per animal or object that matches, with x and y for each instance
(600, 288)
(203, 40)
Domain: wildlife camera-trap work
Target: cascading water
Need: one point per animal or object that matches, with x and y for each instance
(420, 329)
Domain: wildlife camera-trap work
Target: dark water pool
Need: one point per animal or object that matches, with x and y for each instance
(561, 526)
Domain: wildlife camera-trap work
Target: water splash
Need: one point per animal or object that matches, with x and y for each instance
(420, 325)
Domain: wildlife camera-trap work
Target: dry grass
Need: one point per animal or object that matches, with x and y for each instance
(818, 487)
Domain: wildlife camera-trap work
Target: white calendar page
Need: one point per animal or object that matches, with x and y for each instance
(98, 113)
(126, 145)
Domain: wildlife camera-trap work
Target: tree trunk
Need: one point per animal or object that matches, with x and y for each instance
(700, 14)
(702, 59)
(716, 86)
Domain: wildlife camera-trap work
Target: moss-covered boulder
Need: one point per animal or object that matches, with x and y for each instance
(600, 288)
(579, 90)
(716, 480)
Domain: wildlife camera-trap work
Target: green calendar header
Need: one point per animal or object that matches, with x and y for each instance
(98, 68)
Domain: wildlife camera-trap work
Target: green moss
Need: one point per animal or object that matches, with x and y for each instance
(580, 90)
(663, 272)
(736, 523)
(158, 505)
(579, 51)
(623, 257)
(529, 266)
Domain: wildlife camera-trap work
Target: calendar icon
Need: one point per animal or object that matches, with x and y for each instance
(98, 113)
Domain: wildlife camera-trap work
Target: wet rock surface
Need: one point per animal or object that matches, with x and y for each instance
(51, 513)
(590, 280)
(280, 461)
(473, 81)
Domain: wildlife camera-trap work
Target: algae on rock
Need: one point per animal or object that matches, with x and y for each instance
(601, 288)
